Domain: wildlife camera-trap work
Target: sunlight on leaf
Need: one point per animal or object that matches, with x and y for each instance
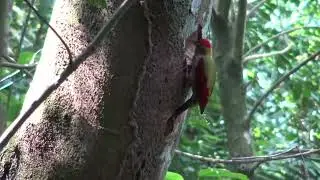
(219, 173)
(257, 132)
(25, 57)
(173, 176)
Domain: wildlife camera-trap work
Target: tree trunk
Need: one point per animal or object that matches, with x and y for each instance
(107, 121)
(4, 19)
(4, 24)
(228, 56)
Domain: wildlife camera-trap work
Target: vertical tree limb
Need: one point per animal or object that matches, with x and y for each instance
(239, 29)
(4, 24)
(223, 7)
(4, 5)
(230, 79)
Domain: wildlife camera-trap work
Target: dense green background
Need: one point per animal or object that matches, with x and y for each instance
(289, 117)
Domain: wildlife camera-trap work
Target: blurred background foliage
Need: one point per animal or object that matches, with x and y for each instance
(287, 118)
(26, 37)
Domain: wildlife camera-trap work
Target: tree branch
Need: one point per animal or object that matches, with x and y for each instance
(239, 29)
(276, 84)
(264, 55)
(255, 8)
(104, 31)
(240, 160)
(219, 25)
(17, 66)
(278, 35)
(6, 81)
(14, 62)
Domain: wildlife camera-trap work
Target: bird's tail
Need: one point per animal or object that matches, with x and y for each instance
(189, 103)
(170, 122)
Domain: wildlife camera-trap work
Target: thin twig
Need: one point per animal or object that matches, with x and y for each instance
(265, 55)
(291, 150)
(255, 8)
(104, 31)
(239, 29)
(12, 61)
(240, 160)
(278, 35)
(17, 66)
(276, 84)
(52, 29)
(271, 155)
(9, 79)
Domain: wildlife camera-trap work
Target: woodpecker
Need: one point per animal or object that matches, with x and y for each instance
(203, 77)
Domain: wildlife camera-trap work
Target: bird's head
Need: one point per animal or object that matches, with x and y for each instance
(206, 46)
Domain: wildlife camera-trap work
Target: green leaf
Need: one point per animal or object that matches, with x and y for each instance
(98, 3)
(25, 57)
(257, 132)
(317, 135)
(173, 176)
(14, 107)
(214, 172)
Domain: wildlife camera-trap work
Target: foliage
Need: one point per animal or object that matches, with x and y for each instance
(220, 174)
(288, 117)
(173, 176)
(26, 37)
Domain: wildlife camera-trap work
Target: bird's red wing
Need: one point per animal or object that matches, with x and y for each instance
(201, 85)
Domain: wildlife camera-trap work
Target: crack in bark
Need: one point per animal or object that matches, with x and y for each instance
(132, 122)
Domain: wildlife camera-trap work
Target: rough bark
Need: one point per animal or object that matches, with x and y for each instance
(107, 121)
(4, 9)
(228, 58)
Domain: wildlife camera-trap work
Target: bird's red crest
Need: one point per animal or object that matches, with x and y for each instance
(205, 42)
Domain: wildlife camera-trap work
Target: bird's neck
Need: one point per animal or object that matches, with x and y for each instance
(208, 51)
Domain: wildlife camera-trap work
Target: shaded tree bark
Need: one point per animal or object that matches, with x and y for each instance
(4, 24)
(107, 121)
(4, 19)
